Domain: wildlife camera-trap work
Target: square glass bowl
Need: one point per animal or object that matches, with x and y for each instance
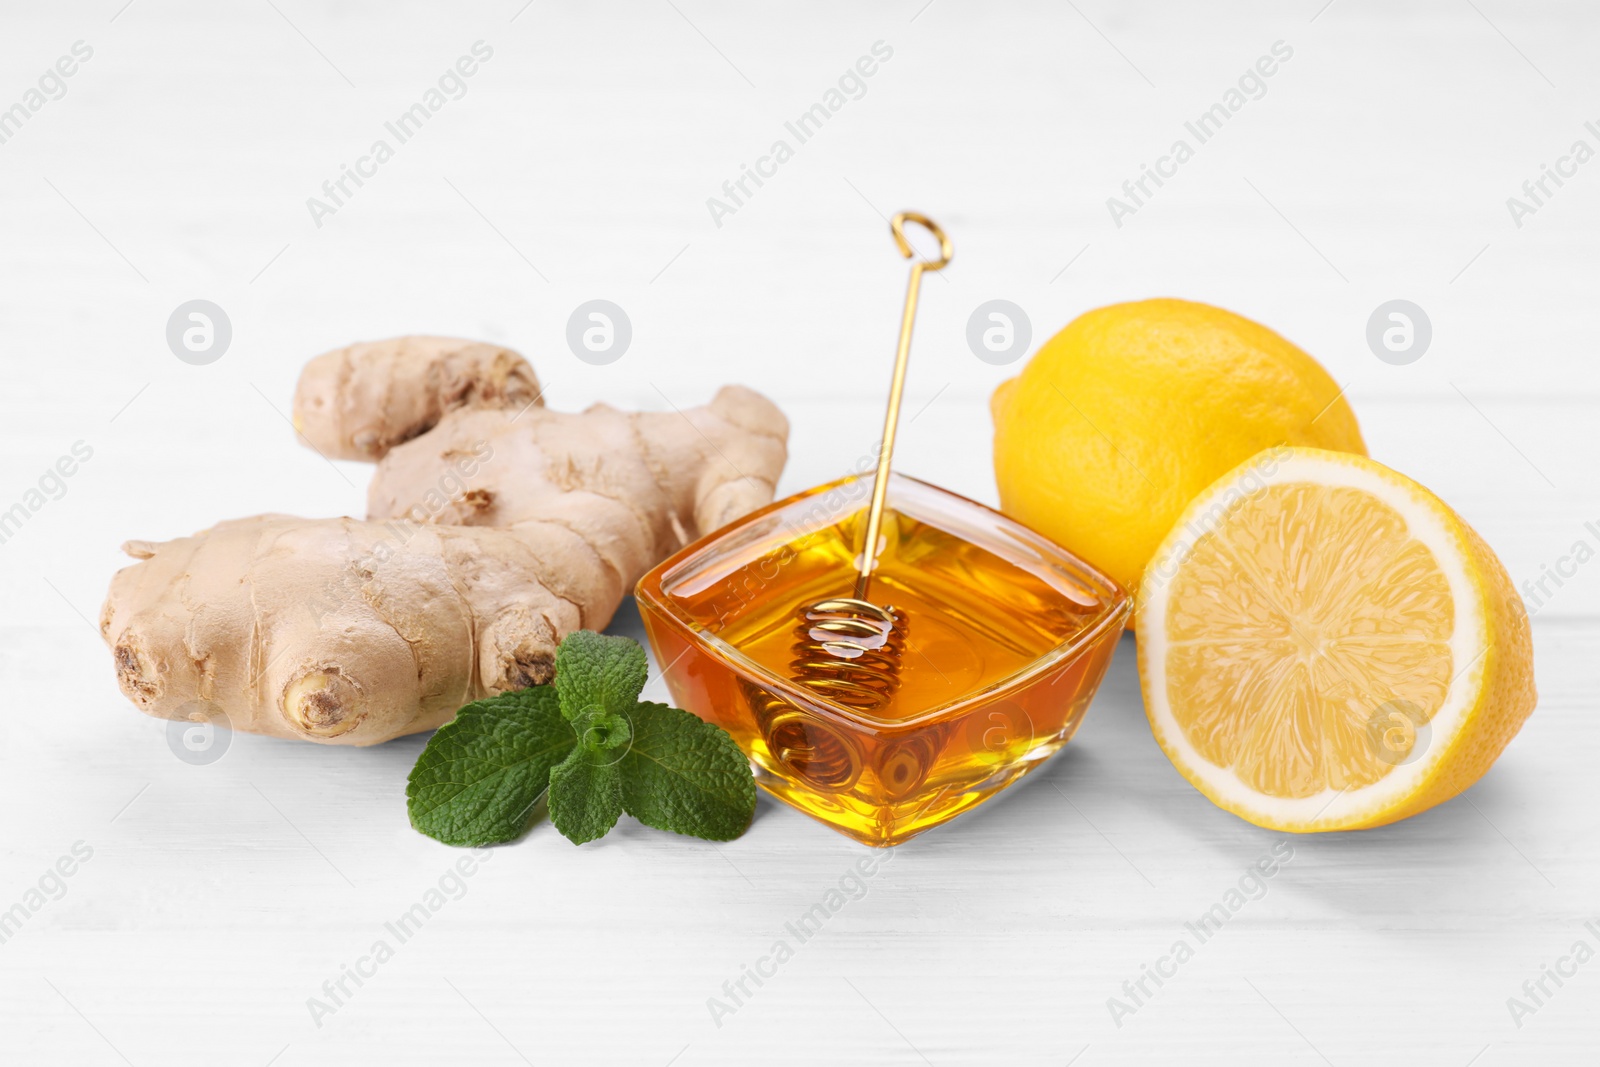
(1004, 638)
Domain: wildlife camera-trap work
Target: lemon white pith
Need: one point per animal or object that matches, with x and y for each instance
(1325, 645)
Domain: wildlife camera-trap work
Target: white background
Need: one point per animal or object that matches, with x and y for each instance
(219, 898)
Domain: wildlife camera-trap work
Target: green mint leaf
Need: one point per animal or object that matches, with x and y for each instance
(686, 775)
(480, 775)
(585, 795)
(599, 673)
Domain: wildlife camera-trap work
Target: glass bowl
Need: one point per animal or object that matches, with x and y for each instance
(1006, 638)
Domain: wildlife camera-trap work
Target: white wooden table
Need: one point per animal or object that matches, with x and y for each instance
(217, 899)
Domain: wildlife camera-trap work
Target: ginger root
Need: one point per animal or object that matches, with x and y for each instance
(339, 630)
(489, 538)
(359, 402)
(614, 478)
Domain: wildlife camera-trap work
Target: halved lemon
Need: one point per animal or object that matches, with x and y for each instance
(1325, 645)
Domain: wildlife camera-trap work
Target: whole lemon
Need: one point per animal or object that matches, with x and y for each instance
(1123, 417)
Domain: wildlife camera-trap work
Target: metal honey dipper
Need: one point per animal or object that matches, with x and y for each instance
(848, 648)
(888, 657)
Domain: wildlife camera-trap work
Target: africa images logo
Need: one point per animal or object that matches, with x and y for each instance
(1251, 85)
(804, 127)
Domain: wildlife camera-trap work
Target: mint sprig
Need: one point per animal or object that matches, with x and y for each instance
(591, 748)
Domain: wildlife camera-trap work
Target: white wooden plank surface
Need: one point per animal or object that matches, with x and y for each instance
(218, 899)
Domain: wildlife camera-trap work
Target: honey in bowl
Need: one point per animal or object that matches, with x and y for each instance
(886, 666)
(1002, 638)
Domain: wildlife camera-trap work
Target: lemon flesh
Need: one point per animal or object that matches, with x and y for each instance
(1324, 645)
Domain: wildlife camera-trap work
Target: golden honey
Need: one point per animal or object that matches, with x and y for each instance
(1001, 640)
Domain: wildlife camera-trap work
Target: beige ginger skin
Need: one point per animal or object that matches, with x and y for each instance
(359, 402)
(492, 532)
